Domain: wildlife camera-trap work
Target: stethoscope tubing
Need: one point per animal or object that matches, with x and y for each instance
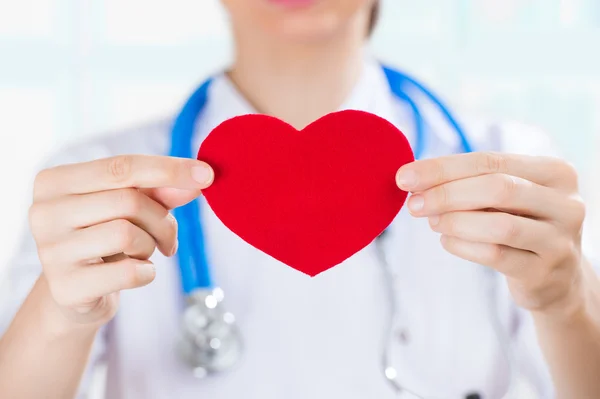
(192, 255)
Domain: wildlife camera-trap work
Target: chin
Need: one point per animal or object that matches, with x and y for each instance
(300, 28)
(298, 20)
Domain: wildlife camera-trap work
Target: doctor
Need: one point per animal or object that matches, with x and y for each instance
(102, 208)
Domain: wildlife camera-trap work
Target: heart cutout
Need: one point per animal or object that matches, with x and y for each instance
(309, 198)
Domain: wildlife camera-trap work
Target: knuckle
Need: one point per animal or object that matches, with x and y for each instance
(569, 171)
(496, 254)
(442, 196)
(119, 167)
(506, 229)
(147, 250)
(40, 182)
(125, 233)
(578, 209)
(506, 188)
(450, 224)
(169, 171)
(491, 162)
(438, 170)
(129, 200)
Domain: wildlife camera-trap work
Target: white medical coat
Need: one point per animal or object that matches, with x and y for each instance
(318, 337)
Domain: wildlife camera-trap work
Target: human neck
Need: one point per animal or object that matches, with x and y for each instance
(297, 82)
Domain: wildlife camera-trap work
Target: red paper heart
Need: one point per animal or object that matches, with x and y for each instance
(310, 198)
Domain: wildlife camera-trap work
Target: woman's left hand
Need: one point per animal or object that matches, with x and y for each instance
(520, 215)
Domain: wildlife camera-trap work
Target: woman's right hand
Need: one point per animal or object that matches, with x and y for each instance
(96, 224)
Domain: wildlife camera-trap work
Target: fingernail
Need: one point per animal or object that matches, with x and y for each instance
(406, 179)
(416, 203)
(172, 218)
(434, 220)
(443, 239)
(146, 271)
(175, 248)
(203, 174)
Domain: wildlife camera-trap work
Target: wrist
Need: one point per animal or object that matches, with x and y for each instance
(54, 321)
(581, 304)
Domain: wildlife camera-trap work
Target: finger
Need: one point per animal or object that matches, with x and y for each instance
(140, 171)
(545, 171)
(496, 228)
(497, 191)
(511, 262)
(171, 198)
(100, 241)
(96, 281)
(56, 218)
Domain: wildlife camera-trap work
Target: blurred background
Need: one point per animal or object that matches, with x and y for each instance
(74, 68)
(70, 69)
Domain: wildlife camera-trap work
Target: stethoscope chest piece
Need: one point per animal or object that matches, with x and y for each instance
(210, 341)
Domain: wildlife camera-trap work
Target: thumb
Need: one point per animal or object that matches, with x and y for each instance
(171, 198)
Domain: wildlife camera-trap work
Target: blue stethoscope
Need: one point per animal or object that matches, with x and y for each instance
(210, 341)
